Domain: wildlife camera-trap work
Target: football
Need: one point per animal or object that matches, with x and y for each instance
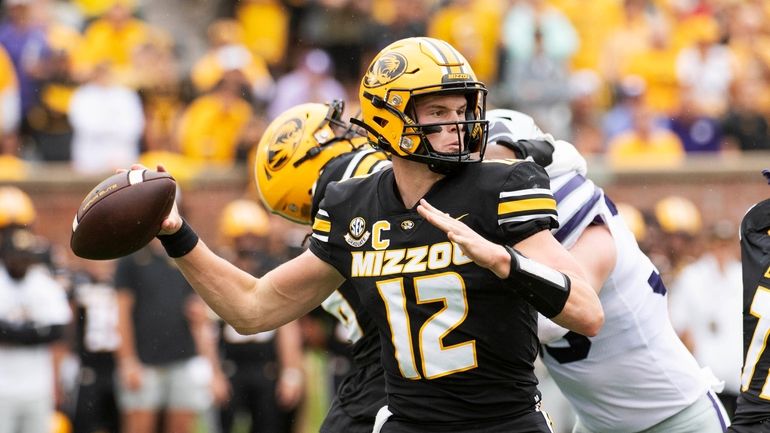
(122, 214)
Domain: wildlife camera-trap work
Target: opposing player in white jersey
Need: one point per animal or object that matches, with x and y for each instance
(635, 375)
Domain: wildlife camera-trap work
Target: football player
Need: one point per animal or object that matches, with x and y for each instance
(455, 305)
(752, 414)
(635, 375)
(303, 150)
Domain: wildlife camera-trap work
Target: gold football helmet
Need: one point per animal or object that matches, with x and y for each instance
(408, 69)
(243, 217)
(15, 207)
(292, 152)
(676, 214)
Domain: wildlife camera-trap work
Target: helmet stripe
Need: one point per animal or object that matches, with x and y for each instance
(458, 60)
(436, 50)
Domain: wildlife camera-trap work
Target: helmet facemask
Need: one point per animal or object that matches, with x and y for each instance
(471, 132)
(332, 130)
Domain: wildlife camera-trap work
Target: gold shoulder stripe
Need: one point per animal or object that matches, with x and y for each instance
(366, 164)
(526, 205)
(322, 225)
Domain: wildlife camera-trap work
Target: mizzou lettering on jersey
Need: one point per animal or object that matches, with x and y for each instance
(451, 331)
(406, 261)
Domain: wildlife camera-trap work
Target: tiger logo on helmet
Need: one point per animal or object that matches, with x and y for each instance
(292, 152)
(386, 69)
(410, 69)
(285, 143)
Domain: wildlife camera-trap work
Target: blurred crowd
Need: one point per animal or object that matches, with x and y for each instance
(99, 84)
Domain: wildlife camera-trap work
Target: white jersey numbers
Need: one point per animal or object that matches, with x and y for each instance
(760, 308)
(438, 360)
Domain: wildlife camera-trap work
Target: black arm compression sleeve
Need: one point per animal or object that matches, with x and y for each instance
(545, 288)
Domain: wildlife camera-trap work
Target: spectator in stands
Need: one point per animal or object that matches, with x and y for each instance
(525, 20)
(594, 22)
(585, 128)
(95, 305)
(646, 145)
(33, 315)
(107, 122)
(655, 63)
(228, 52)
(312, 80)
(630, 96)
(537, 83)
(265, 26)
(212, 125)
(26, 44)
(627, 39)
(398, 19)
(112, 39)
(706, 303)
(265, 369)
(473, 26)
(698, 131)
(745, 126)
(167, 361)
(10, 102)
(706, 68)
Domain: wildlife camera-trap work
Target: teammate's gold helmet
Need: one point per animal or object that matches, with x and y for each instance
(292, 152)
(410, 68)
(676, 214)
(634, 220)
(243, 217)
(15, 207)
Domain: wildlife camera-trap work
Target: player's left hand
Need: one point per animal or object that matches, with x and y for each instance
(483, 252)
(173, 221)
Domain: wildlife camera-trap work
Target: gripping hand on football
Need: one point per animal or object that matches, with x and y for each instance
(483, 252)
(173, 221)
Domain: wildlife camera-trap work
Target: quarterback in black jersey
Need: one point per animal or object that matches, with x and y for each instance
(454, 304)
(326, 149)
(752, 414)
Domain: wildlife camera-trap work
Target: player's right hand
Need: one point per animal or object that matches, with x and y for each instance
(483, 252)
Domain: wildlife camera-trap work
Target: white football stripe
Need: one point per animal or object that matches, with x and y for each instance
(135, 176)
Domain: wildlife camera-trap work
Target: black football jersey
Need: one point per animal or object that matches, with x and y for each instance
(754, 400)
(458, 345)
(344, 303)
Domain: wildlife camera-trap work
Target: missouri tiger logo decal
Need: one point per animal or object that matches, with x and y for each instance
(287, 139)
(385, 69)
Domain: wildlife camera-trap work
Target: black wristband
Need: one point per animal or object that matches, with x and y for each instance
(542, 286)
(180, 243)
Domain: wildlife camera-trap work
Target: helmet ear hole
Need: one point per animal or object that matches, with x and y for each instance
(381, 121)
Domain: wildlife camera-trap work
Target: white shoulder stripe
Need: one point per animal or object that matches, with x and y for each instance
(524, 218)
(321, 238)
(354, 163)
(572, 203)
(323, 213)
(522, 192)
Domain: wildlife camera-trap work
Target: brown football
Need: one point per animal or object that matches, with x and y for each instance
(122, 214)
